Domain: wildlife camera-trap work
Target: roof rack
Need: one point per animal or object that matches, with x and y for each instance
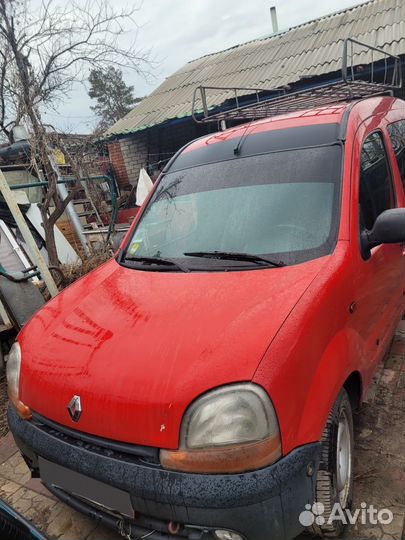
(384, 75)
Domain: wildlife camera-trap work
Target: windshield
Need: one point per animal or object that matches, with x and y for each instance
(282, 205)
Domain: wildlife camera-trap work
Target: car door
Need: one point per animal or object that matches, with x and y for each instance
(396, 131)
(379, 275)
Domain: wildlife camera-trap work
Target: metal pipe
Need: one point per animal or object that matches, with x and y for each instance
(28, 186)
(114, 205)
(65, 180)
(274, 21)
(70, 210)
(26, 234)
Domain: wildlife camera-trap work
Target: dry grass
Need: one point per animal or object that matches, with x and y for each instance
(72, 272)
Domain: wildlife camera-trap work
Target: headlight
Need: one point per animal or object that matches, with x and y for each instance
(13, 381)
(233, 414)
(230, 429)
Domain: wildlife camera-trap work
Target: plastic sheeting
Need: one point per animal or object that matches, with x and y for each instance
(144, 186)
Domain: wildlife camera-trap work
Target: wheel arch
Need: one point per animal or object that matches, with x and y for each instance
(342, 366)
(354, 388)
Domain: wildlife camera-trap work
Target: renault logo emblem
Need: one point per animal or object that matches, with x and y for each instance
(75, 408)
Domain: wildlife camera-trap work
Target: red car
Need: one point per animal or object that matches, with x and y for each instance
(201, 384)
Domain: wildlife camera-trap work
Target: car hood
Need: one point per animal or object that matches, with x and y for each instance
(138, 347)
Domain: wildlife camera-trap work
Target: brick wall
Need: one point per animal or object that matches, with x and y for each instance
(135, 153)
(118, 163)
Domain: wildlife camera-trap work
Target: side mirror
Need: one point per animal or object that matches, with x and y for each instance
(389, 228)
(116, 241)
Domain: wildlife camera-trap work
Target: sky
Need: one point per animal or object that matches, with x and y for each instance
(177, 31)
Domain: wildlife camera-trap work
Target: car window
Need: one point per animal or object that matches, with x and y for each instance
(397, 134)
(376, 188)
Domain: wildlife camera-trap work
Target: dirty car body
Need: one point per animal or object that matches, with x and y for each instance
(208, 354)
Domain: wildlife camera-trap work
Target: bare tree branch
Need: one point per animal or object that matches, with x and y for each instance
(42, 54)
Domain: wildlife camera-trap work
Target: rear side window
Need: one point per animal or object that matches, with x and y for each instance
(397, 134)
(376, 187)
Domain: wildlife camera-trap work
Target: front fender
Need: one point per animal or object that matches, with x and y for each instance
(343, 356)
(313, 353)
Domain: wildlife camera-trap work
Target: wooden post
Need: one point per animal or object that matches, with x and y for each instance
(26, 234)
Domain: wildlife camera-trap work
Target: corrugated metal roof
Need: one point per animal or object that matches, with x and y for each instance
(311, 49)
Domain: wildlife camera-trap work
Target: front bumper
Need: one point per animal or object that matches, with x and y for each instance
(259, 505)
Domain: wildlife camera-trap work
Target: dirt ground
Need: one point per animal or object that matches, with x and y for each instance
(379, 465)
(380, 446)
(3, 407)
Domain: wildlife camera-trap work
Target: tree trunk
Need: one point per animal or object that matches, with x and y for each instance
(50, 242)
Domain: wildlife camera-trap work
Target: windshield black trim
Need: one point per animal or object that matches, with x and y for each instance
(267, 153)
(160, 191)
(259, 143)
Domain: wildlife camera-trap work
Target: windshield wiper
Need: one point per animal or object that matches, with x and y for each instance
(158, 260)
(235, 256)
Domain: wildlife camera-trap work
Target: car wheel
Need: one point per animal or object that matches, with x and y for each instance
(334, 482)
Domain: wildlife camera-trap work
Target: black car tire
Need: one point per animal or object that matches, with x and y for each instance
(334, 482)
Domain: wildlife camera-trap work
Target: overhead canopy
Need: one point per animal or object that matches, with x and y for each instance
(308, 50)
